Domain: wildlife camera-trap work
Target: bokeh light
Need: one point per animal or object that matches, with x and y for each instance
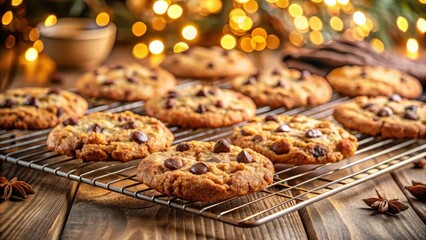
(50, 21)
(330, 3)
(295, 10)
(377, 45)
(158, 23)
(228, 41)
(16, 2)
(189, 32)
(38, 45)
(359, 18)
(402, 23)
(7, 18)
(412, 45)
(138, 29)
(315, 23)
(10, 41)
(31, 54)
(156, 47)
(251, 6)
(301, 23)
(296, 38)
(174, 11)
(272, 41)
(316, 37)
(421, 25)
(140, 50)
(180, 47)
(160, 7)
(102, 19)
(336, 23)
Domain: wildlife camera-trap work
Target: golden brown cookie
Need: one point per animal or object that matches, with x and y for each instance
(392, 117)
(282, 87)
(206, 171)
(38, 108)
(374, 81)
(131, 82)
(202, 106)
(214, 62)
(109, 137)
(295, 139)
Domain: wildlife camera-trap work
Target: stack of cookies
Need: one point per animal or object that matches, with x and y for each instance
(215, 171)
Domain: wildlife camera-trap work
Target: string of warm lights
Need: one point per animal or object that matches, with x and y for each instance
(307, 22)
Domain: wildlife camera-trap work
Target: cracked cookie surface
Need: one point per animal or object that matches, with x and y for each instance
(374, 81)
(214, 62)
(295, 139)
(206, 171)
(392, 117)
(109, 137)
(130, 82)
(281, 87)
(38, 108)
(202, 106)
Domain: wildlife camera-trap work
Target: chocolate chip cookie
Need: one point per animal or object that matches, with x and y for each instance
(392, 117)
(215, 62)
(38, 108)
(202, 106)
(206, 171)
(373, 81)
(109, 137)
(131, 82)
(295, 139)
(282, 87)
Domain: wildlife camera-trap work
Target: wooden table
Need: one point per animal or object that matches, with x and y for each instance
(68, 210)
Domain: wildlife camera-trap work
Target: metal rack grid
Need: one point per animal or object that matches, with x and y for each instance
(294, 186)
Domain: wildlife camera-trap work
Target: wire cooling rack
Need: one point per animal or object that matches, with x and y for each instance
(294, 186)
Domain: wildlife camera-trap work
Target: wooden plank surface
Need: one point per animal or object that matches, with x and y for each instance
(42, 215)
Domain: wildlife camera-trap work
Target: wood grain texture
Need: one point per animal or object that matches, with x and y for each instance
(43, 214)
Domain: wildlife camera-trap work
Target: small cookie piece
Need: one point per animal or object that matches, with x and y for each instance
(109, 137)
(392, 117)
(197, 172)
(282, 87)
(38, 108)
(202, 106)
(131, 82)
(295, 139)
(214, 62)
(374, 81)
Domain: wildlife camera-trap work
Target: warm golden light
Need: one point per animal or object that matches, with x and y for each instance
(316, 37)
(102, 19)
(422, 1)
(158, 23)
(140, 50)
(174, 11)
(10, 41)
(50, 21)
(160, 7)
(138, 29)
(258, 43)
(156, 47)
(282, 3)
(359, 18)
(180, 47)
(412, 45)
(16, 2)
(236, 13)
(189, 32)
(336, 23)
(402, 23)
(251, 6)
(301, 23)
(213, 6)
(421, 25)
(7, 18)
(377, 45)
(31, 54)
(34, 34)
(296, 38)
(228, 41)
(38, 45)
(343, 2)
(272, 42)
(295, 10)
(315, 23)
(259, 32)
(242, 1)
(330, 3)
(245, 44)
(243, 23)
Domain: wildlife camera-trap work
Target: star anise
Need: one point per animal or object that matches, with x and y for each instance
(418, 190)
(382, 205)
(420, 163)
(14, 189)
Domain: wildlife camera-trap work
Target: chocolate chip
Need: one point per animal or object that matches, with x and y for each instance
(222, 146)
(408, 114)
(121, 118)
(130, 125)
(257, 138)
(384, 112)
(8, 103)
(118, 67)
(212, 91)
(131, 80)
(280, 83)
(218, 104)
(313, 133)
(276, 72)
(201, 109)
(304, 75)
(251, 80)
(95, 72)
(319, 151)
(108, 83)
(411, 108)
(202, 93)
(281, 147)
(60, 111)
(94, 128)
(172, 94)
(181, 147)
(173, 163)
(186, 52)
(54, 91)
(33, 101)
(395, 98)
(402, 79)
(368, 106)
(244, 157)
(272, 118)
(154, 77)
(57, 78)
(216, 160)
(70, 121)
(245, 133)
(282, 128)
(363, 74)
(139, 137)
(199, 168)
(210, 65)
(170, 103)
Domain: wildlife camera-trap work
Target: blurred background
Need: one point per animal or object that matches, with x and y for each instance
(33, 35)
